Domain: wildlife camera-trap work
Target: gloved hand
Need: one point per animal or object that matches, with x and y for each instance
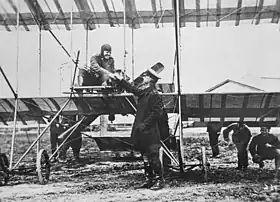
(116, 76)
(141, 127)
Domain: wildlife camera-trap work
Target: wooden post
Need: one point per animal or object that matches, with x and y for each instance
(103, 125)
(38, 143)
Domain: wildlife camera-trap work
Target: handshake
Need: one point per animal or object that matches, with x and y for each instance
(118, 75)
(115, 76)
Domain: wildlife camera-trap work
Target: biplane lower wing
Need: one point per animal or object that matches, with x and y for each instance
(202, 108)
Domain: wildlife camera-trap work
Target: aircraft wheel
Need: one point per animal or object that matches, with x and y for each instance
(204, 163)
(43, 166)
(4, 169)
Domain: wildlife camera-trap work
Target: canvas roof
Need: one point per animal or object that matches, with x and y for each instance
(252, 83)
(268, 84)
(248, 88)
(90, 14)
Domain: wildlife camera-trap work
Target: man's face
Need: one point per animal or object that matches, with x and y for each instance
(264, 131)
(143, 81)
(107, 54)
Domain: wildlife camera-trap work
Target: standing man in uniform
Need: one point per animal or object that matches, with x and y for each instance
(101, 66)
(265, 146)
(145, 132)
(240, 137)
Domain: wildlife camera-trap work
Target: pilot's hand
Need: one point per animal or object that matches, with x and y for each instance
(109, 74)
(117, 77)
(106, 76)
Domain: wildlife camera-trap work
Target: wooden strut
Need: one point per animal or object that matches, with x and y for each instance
(48, 125)
(41, 134)
(178, 63)
(15, 115)
(72, 129)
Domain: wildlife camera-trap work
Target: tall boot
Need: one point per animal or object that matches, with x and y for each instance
(54, 157)
(215, 150)
(149, 175)
(62, 156)
(159, 179)
(76, 154)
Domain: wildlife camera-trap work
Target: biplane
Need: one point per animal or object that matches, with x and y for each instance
(203, 108)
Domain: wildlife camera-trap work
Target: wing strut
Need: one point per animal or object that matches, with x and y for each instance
(179, 137)
(48, 125)
(15, 114)
(65, 137)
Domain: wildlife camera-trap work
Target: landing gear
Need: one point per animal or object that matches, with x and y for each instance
(43, 166)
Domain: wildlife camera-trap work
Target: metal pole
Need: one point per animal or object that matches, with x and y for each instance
(38, 143)
(60, 80)
(7, 80)
(50, 31)
(71, 43)
(132, 51)
(15, 93)
(87, 45)
(178, 53)
(14, 134)
(45, 129)
(75, 71)
(124, 37)
(40, 58)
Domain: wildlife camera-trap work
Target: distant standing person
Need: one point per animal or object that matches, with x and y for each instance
(240, 137)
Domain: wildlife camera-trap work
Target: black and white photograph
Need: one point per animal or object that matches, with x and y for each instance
(139, 100)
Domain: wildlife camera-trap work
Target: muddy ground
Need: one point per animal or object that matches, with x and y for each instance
(107, 176)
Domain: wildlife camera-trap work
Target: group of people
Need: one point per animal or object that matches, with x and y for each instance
(264, 146)
(150, 126)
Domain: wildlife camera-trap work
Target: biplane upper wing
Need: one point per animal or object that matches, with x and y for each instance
(92, 13)
(252, 108)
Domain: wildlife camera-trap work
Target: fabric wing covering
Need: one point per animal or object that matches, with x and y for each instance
(202, 108)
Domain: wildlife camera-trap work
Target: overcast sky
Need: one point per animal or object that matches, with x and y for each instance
(209, 54)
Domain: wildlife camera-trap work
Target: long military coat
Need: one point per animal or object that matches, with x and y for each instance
(149, 109)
